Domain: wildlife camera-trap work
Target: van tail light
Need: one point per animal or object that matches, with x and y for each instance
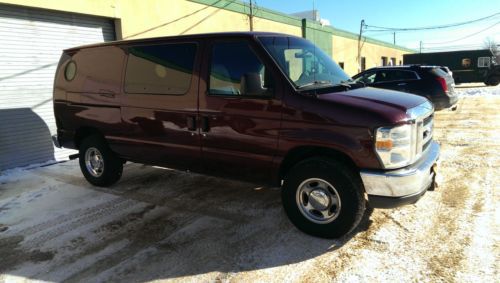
(442, 81)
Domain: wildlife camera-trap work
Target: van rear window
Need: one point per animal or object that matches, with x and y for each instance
(160, 69)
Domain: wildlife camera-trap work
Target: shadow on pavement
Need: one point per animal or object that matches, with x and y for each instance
(167, 225)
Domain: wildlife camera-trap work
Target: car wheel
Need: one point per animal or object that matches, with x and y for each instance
(100, 166)
(492, 81)
(323, 198)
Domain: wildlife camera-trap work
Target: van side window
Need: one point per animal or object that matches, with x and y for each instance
(160, 69)
(236, 70)
(483, 62)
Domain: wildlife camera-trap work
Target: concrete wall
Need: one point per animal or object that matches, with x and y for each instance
(151, 18)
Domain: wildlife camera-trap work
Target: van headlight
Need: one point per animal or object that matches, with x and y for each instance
(395, 146)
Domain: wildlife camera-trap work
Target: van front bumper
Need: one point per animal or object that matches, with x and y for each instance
(393, 188)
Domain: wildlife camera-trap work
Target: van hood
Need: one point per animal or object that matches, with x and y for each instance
(396, 99)
(385, 106)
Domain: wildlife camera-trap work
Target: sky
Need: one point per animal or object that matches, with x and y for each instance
(347, 15)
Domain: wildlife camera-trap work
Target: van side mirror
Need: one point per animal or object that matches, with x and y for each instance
(252, 84)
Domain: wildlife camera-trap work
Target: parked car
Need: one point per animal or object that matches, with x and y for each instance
(428, 81)
(263, 107)
(448, 71)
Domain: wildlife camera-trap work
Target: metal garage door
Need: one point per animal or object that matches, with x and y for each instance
(31, 42)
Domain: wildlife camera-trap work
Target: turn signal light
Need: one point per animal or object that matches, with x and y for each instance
(384, 145)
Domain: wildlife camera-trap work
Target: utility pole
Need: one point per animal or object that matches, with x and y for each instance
(420, 46)
(250, 16)
(359, 44)
(394, 38)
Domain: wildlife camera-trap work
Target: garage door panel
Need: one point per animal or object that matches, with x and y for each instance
(32, 43)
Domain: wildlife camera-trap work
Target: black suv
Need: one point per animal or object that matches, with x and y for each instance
(428, 81)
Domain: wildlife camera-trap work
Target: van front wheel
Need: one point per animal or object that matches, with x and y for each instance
(100, 166)
(323, 198)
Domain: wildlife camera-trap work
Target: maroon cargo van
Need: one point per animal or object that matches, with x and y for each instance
(262, 107)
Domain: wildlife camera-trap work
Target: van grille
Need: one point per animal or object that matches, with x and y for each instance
(422, 117)
(425, 131)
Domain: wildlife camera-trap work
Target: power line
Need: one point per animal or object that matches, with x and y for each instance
(453, 47)
(470, 35)
(430, 27)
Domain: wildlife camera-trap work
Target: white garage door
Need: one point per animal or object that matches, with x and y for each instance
(31, 42)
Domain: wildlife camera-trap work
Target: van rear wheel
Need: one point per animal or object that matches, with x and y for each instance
(100, 166)
(492, 81)
(323, 198)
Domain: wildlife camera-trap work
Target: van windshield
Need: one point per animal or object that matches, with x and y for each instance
(306, 65)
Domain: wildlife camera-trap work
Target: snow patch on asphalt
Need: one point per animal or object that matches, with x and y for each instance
(479, 91)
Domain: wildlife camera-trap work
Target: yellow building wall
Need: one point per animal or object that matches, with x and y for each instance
(260, 24)
(103, 8)
(346, 50)
(152, 18)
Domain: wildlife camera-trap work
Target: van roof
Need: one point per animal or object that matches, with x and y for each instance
(190, 36)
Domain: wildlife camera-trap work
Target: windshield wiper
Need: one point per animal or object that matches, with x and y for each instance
(314, 83)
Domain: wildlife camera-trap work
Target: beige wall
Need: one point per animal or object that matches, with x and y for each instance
(346, 50)
(260, 24)
(151, 18)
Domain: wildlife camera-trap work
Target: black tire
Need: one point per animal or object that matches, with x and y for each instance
(492, 81)
(112, 167)
(347, 185)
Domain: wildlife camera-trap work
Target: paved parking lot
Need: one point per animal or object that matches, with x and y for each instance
(158, 224)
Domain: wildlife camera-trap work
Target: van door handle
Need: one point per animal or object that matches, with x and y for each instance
(191, 123)
(108, 95)
(205, 124)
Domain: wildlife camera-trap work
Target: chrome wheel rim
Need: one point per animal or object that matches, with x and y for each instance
(94, 162)
(318, 201)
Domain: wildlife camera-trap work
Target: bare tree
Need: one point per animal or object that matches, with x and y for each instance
(490, 44)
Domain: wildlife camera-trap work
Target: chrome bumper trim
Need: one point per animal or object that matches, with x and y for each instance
(405, 181)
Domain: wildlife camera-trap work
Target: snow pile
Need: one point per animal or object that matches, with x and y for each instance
(478, 91)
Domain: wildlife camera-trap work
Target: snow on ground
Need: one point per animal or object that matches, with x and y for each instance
(158, 224)
(477, 89)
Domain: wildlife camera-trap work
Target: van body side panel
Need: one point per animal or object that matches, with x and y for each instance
(161, 127)
(306, 122)
(92, 98)
(241, 134)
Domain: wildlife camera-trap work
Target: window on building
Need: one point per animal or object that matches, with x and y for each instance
(363, 63)
(341, 64)
(160, 69)
(236, 70)
(383, 61)
(393, 61)
(466, 62)
(483, 62)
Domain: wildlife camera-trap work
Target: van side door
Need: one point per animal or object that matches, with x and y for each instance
(240, 110)
(160, 104)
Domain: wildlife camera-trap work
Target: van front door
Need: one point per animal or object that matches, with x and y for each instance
(240, 113)
(160, 105)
